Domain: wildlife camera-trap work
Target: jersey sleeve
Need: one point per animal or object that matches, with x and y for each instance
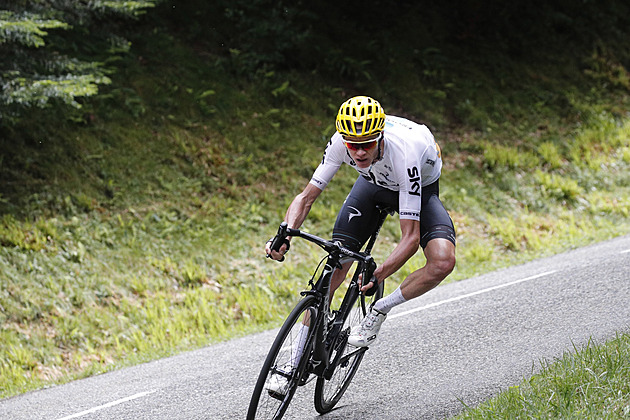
(410, 181)
(330, 164)
(410, 194)
(422, 166)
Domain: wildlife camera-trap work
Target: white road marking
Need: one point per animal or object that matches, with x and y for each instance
(489, 289)
(625, 252)
(111, 404)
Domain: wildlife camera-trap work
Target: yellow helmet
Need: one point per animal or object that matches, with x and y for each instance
(360, 116)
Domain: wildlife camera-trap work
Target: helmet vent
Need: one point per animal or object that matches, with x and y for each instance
(360, 116)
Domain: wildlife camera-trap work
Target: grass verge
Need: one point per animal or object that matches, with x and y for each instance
(589, 383)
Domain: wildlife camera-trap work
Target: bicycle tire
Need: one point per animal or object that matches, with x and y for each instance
(263, 404)
(329, 391)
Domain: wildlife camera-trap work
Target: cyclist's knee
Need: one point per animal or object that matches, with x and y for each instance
(445, 264)
(440, 258)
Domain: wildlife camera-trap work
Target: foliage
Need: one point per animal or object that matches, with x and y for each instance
(37, 73)
(498, 156)
(27, 29)
(133, 227)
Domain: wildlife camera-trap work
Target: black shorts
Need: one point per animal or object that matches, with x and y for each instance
(358, 216)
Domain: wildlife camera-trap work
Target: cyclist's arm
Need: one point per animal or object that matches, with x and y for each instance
(406, 248)
(301, 206)
(296, 214)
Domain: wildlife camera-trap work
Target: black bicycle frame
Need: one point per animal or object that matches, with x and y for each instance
(325, 334)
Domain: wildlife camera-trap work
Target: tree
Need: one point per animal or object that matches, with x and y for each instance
(55, 51)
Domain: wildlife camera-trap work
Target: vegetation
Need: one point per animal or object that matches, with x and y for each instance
(34, 74)
(591, 383)
(133, 227)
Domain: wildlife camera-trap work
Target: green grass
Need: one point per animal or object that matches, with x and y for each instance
(89, 288)
(135, 228)
(589, 383)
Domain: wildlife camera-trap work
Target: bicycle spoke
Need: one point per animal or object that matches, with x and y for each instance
(285, 364)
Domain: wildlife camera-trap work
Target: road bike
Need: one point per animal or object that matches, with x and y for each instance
(313, 341)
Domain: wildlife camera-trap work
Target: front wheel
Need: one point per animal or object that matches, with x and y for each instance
(345, 358)
(285, 364)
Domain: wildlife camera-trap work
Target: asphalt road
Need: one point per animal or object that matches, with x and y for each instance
(459, 344)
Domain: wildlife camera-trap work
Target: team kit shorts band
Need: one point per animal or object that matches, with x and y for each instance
(358, 216)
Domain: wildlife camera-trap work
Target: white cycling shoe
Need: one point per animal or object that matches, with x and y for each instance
(278, 384)
(364, 334)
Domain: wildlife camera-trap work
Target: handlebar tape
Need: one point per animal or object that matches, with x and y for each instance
(280, 239)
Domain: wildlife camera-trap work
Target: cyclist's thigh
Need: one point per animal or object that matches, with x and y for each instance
(358, 216)
(435, 222)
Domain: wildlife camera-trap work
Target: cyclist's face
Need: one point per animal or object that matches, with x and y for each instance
(362, 150)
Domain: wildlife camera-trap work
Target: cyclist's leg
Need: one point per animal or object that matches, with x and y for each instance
(338, 277)
(438, 243)
(358, 216)
(357, 219)
(355, 224)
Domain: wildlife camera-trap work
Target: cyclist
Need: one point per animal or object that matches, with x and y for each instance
(399, 164)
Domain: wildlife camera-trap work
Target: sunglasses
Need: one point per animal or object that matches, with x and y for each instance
(365, 145)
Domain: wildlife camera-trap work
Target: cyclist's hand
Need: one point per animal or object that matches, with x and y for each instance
(370, 287)
(279, 254)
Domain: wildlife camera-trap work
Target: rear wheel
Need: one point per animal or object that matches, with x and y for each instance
(345, 358)
(284, 364)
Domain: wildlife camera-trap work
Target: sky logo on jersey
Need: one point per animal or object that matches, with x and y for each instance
(414, 180)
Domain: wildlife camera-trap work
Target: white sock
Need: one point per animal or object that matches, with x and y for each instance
(386, 304)
(298, 349)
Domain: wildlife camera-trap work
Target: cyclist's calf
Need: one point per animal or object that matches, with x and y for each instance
(440, 255)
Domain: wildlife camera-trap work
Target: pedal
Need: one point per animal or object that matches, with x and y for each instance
(275, 395)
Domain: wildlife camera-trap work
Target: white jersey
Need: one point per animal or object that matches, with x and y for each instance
(410, 160)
